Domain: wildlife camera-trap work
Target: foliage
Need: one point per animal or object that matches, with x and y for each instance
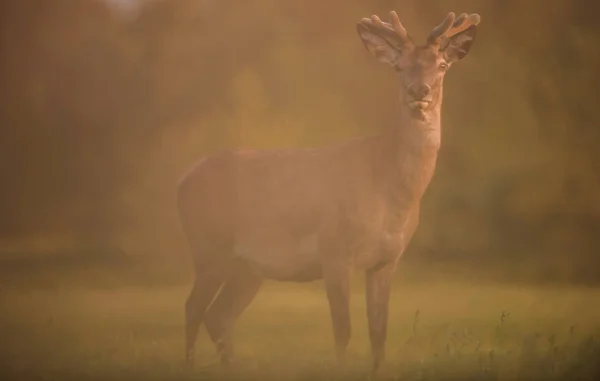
(102, 112)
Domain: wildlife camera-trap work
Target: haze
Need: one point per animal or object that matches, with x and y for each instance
(105, 104)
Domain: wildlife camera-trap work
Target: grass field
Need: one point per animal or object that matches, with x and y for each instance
(438, 331)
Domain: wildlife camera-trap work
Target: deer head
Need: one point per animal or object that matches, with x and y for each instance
(421, 68)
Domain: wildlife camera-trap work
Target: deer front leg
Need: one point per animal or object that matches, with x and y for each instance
(378, 284)
(336, 274)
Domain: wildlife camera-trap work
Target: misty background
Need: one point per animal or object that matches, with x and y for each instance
(105, 104)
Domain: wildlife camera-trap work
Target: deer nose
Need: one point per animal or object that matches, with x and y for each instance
(419, 91)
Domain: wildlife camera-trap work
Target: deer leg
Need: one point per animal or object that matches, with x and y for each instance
(378, 284)
(336, 275)
(208, 280)
(236, 295)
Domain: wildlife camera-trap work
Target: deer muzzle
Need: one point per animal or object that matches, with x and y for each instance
(418, 105)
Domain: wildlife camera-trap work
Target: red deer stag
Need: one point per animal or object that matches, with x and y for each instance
(299, 215)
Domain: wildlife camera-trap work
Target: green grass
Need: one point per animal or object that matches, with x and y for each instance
(437, 331)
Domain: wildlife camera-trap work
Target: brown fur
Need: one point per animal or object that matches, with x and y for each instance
(306, 214)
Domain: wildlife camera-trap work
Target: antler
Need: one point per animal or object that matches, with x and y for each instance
(395, 31)
(451, 26)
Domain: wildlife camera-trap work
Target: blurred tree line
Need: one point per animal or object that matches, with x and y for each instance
(103, 108)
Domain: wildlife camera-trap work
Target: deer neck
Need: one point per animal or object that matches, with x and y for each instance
(418, 132)
(410, 155)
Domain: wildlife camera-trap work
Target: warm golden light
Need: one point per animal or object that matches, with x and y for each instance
(104, 105)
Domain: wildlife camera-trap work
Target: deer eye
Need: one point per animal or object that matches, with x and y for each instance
(443, 66)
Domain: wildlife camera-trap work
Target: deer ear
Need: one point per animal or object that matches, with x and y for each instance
(378, 46)
(459, 45)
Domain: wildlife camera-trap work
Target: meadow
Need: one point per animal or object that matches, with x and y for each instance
(441, 328)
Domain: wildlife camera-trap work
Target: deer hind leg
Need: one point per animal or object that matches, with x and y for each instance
(236, 295)
(209, 278)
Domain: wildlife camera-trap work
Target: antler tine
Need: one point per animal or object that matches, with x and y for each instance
(461, 23)
(398, 27)
(394, 31)
(438, 31)
(460, 20)
(466, 21)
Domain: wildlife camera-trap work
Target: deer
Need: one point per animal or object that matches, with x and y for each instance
(307, 214)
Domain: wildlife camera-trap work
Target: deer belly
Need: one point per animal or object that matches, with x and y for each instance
(281, 258)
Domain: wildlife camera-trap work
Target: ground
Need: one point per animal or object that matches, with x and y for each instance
(438, 330)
